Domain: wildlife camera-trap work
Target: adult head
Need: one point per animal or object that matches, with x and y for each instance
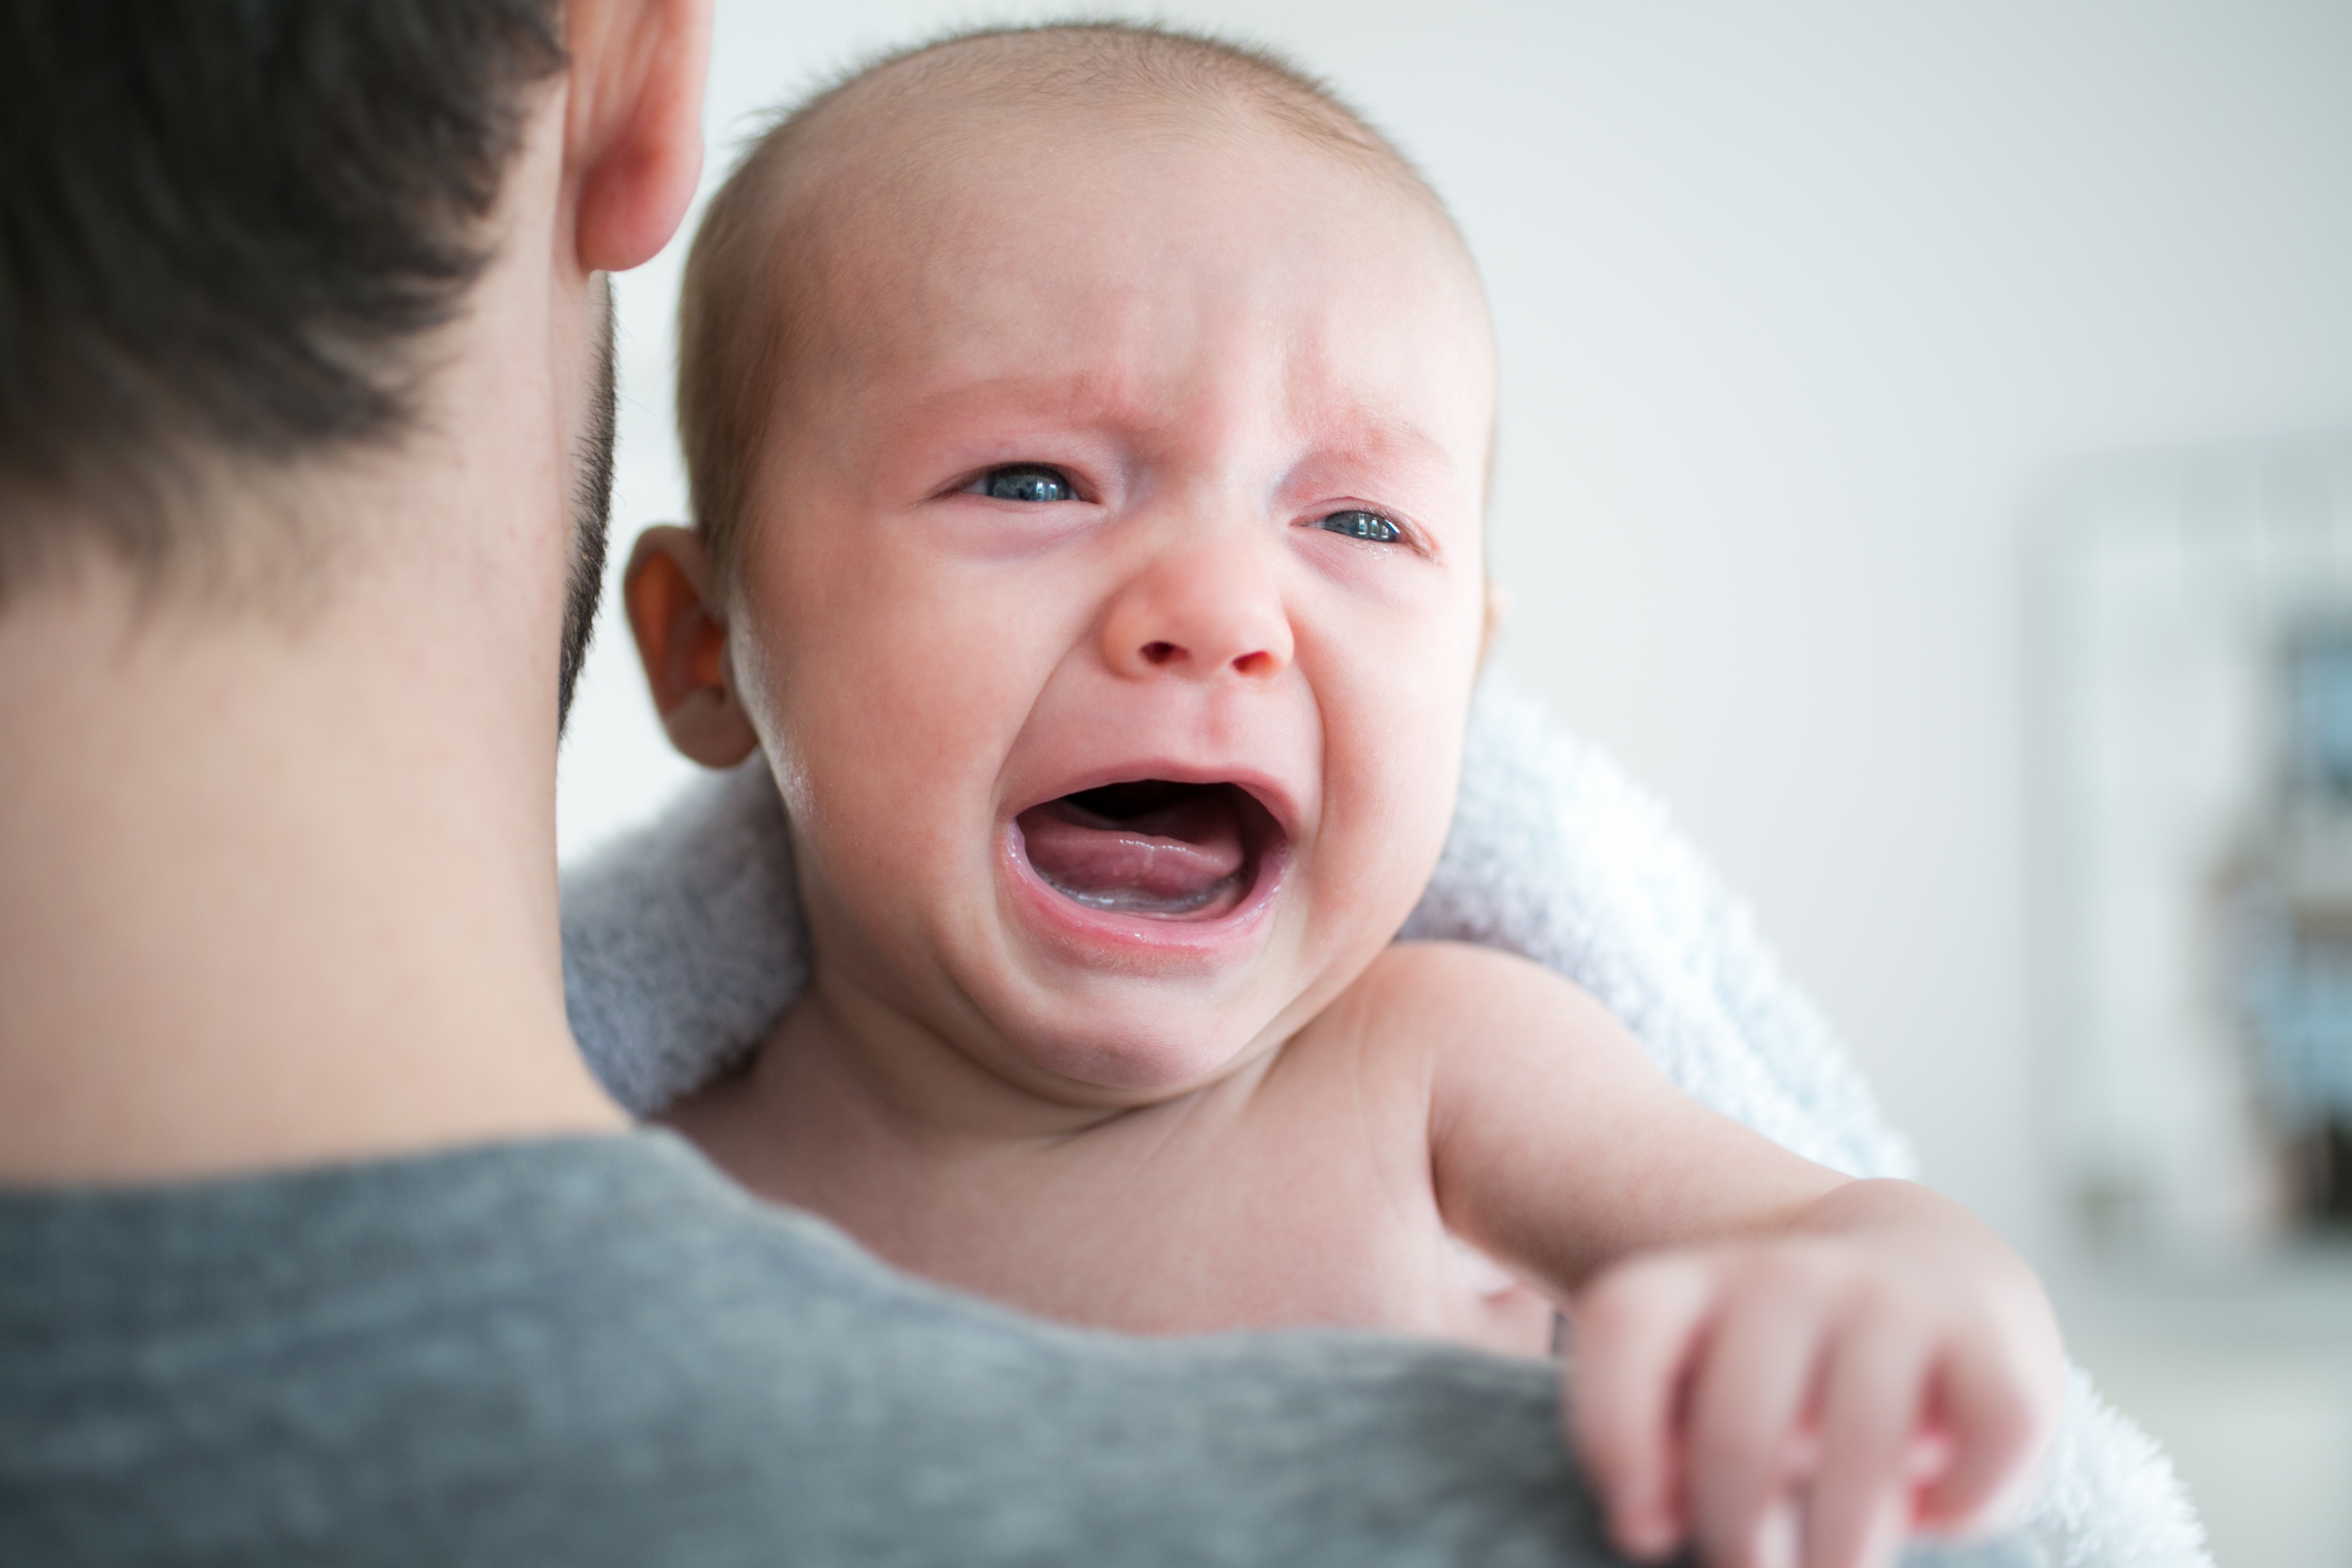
(304, 417)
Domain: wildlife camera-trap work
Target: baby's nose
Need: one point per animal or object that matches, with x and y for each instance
(1199, 614)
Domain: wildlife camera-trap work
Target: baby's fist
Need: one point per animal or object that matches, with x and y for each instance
(1888, 1366)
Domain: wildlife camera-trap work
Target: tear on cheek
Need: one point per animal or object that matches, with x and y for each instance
(1151, 847)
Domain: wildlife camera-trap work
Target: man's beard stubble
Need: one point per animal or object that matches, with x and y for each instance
(592, 512)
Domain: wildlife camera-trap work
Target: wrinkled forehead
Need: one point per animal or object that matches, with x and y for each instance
(1114, 247)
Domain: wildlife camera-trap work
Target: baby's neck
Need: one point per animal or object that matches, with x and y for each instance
(852, 1089)
(858, 1112)
(851, 1039)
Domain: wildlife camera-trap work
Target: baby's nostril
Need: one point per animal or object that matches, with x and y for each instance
(1159, 652)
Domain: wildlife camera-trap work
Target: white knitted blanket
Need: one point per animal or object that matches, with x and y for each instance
(682, 942)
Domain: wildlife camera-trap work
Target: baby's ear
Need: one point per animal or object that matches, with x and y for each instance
(682, 641)
(1491, 625)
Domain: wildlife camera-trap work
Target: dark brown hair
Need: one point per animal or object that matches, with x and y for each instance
(222, 228)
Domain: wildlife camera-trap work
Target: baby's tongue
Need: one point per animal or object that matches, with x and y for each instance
(1140, 848)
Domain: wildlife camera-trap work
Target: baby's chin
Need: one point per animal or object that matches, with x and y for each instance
(1102, 1038)
(1160, 936)
(1109, 1055)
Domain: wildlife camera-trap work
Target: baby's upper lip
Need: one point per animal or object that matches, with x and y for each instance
(1280, 798)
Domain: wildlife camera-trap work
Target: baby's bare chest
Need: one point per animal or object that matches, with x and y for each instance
(1303, 1198)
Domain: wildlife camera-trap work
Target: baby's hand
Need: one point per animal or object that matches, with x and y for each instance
(1888, 1366)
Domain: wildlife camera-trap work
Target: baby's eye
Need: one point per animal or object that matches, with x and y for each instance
(1369, 525)
(1024, 481)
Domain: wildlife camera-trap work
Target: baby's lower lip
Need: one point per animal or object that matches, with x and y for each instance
(1148, 866)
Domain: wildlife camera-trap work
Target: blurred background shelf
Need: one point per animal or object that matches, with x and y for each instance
(2190, 688)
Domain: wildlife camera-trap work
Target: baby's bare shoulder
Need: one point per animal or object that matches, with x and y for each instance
(1469, 985)
(1429, 999)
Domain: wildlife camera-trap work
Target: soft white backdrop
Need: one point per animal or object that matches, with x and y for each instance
(1795, 301)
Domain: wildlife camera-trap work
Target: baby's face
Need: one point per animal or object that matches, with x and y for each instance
(1111, 591)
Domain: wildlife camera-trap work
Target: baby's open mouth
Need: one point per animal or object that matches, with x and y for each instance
(1172, 851)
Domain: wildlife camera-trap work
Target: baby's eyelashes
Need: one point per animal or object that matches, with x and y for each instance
(1041, 484)
(1023, 482)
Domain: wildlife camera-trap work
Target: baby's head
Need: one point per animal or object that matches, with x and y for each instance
(1088, 430)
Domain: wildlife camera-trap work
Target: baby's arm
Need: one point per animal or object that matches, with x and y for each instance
(1762, 1345)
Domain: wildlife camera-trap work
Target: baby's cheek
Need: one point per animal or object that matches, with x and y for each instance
(1393, 758)
(876, 683)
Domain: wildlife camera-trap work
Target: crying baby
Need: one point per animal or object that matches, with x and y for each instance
(1088, 431)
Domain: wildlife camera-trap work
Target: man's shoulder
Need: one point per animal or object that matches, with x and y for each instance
(545, 1344)
(495, 1262)
(386, 1238)
(598, 1350)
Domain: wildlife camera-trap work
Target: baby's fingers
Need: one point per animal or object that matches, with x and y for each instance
(1997, 1427)
(1749, 1451)
(1634, 1330)
(1871, 1402)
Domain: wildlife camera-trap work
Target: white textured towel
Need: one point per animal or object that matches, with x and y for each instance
(683, 941)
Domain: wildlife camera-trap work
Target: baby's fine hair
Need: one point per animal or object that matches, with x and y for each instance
(736, 314)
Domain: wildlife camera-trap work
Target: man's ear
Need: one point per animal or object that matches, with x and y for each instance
(682, 642)
(633, 123)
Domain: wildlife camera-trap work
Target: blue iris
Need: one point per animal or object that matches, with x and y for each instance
(1369, 525)
(1025, 482)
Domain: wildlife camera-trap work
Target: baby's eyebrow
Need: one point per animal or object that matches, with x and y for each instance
(1341, 440)
(1330, 428)
(1076, 397)
(1371, 436)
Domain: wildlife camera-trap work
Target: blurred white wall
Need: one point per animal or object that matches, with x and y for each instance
(1795, 300)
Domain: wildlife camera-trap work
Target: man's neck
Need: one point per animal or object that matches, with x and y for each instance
(271, 892)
